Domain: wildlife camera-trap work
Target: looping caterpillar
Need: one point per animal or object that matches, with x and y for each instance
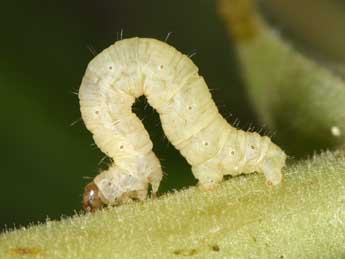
(190, 119)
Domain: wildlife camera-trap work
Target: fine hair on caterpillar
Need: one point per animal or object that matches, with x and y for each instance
(133, 67)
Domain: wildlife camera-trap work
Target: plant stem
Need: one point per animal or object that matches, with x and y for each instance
(243, 218)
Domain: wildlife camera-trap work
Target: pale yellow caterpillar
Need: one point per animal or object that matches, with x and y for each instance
(170, 81)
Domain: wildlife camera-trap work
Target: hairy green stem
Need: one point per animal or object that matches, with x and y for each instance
(243, 218)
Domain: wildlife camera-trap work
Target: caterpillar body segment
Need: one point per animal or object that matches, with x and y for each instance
(190, 119)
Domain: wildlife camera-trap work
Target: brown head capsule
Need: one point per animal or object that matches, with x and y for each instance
(91, 198)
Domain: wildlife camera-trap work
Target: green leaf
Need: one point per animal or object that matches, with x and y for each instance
(299, 99)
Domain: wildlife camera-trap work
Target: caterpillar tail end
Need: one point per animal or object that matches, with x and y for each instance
(272, 167)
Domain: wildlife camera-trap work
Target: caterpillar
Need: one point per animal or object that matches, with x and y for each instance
(190, 119)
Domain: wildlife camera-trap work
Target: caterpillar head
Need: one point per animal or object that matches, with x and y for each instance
(91, 198)
(95, 198)
(113, 187)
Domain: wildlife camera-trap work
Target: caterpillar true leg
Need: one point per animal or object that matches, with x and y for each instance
(190, 119)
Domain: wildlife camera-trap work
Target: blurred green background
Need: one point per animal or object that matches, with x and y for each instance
(45, 45)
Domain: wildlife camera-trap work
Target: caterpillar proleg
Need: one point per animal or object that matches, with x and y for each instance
(190, 119)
